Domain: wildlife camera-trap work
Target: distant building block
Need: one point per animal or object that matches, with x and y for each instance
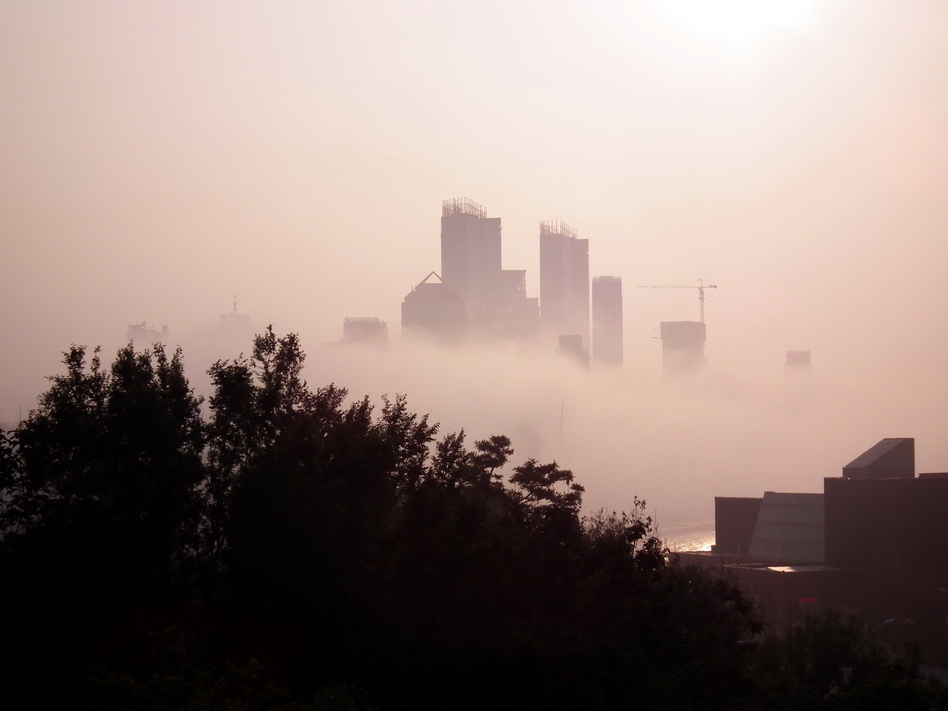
(365, 329)
(138, 332)
(682, 346)
(798, 361)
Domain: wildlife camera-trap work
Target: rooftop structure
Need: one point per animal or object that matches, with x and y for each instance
(890, 457)
(462, 206)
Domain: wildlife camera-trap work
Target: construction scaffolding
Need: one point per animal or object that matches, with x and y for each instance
(462, 206)
(557, 227)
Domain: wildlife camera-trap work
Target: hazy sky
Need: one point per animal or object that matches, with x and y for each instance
(157, 157)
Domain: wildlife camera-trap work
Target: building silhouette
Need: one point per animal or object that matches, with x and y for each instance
(871, 545)
(433, 310)
(682, 346)
(607, 332)
(476, 299)
(142, 335)
(366, 330)
(564, 282)
(234, 327)
(798, 362)
(471, 255)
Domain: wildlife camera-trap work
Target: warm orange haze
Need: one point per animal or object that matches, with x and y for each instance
(156, 159)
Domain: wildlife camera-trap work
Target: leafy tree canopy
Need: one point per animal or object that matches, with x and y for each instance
(296, 548)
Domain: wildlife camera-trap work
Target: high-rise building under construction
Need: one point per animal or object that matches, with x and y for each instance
(474, 298)
(470, 254)
(564, 282)
(607, 320)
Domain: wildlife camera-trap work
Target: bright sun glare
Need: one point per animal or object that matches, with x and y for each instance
(737, 22)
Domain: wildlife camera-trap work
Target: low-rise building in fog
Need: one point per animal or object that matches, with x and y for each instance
(365, 330)
(143, 336)
(234, 331)
(234, 324)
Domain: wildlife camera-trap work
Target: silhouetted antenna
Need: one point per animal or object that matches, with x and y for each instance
(700, 287)
(235, 303)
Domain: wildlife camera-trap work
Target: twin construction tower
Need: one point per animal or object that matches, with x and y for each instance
(474, 299)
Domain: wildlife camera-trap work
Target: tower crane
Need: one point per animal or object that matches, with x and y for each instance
(700, 286)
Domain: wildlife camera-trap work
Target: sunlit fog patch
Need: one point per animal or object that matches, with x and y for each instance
(735, 428)
(735, 23)
(676, 444)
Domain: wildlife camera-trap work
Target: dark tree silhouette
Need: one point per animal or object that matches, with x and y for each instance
(302, 549)
(102, 506)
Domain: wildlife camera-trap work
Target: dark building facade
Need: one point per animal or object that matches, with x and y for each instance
(871, 545)
(734, 521)
(887, 522)
(890, 458)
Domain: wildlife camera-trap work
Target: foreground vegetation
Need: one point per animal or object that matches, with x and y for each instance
(292, 549)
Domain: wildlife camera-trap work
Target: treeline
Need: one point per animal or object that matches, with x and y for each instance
(292, 549)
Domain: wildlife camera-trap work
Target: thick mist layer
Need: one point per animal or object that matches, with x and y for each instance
(732, 429)
(676, 443)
